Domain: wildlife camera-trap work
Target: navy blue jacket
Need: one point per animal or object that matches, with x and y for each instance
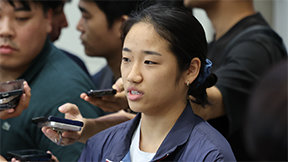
(190, 139)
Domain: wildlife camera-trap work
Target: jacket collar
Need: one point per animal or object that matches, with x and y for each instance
(178, 136)
(119, 151)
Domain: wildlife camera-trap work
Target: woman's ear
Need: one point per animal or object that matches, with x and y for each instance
(193, 70)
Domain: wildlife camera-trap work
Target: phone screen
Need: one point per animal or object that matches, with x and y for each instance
(10, 93)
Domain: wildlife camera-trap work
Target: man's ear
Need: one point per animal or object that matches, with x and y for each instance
(119, 23)
(193, 70)
(49, 17)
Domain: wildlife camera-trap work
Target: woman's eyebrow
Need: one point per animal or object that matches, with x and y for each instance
(144, 51)
(126, 49)
(152, 53)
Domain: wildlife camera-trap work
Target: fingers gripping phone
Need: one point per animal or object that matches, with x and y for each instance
(58, 124)
(102, 92)
(10, 93)
(29, 155)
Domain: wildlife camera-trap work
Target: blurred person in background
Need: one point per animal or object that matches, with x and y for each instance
(26, 53)
(101, 29)
(59, 22)
(266, 123)
(244, 47)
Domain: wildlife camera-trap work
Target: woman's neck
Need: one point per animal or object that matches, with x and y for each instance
(155, 128)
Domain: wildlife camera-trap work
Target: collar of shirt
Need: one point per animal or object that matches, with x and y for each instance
(178, 136)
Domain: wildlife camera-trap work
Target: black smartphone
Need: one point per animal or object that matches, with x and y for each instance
(59, 124)
(29, 155)
(10, 93)
(101, 92)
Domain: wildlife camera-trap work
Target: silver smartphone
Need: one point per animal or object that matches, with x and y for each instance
(58, 124)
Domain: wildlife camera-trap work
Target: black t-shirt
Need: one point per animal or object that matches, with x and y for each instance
(238, 70)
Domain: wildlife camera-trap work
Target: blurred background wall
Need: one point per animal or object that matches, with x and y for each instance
(275, 12)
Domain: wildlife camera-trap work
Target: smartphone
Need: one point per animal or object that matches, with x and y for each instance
(101, 92)
(29, 155)
(58, 124)
(10, 93)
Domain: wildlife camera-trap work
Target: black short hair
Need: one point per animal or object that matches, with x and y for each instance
(114, 9)
(46, 4)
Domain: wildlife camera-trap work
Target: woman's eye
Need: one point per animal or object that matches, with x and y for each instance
(125, 59)
(149, 62)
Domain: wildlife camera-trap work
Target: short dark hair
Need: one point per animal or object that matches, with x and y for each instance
(115, 9)
(46, 4)
(186, 39)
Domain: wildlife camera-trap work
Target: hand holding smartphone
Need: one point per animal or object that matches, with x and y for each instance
(58, 124)
(10, 93)
(102, 92)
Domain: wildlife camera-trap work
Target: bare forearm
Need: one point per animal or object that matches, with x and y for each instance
(93, 126)
(2, 158)
(214, 109)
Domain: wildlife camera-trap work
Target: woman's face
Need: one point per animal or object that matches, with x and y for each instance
(150, 73)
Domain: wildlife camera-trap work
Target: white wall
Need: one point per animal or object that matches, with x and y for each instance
(280, 19)
(206, 23)
(275, 11)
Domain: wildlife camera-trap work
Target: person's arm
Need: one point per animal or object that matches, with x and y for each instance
(91, 126)
(23, 104)
(214, 109)
(2, 159)
(247, 61)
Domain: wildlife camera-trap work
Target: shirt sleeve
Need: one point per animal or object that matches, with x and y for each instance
(245, 63)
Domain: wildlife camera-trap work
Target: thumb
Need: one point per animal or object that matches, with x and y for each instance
(69, 108)
(118, 85)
